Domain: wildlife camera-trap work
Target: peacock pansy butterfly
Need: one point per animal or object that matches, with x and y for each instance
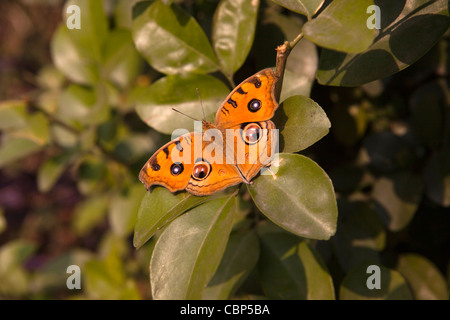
(241, 141)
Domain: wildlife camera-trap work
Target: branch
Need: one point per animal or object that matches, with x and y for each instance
(283, 52)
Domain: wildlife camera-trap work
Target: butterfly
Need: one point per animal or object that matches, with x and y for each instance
(241, 141)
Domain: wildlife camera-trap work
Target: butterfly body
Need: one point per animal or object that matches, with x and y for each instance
(229, 151)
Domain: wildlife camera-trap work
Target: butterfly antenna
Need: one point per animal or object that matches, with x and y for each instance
(184, 114)
(200, 99)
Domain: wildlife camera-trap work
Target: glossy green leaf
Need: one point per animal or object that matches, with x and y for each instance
(408, 30)
(122, 61)
(392, 285)
(50, 171)
(341, 26)
(159, 207)
(233, 32)
(189, 251)
(301, 199)
(360, 234)
(289, 268)
(154, 104)
(397, 197)
(437, 177)
(123, 210)
(305, 7)
(302, 122)
(172, 41)
(424, 279)
(239, 259)
(89, 214)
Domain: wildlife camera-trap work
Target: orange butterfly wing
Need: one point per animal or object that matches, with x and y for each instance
(173, 166)
(251, 101)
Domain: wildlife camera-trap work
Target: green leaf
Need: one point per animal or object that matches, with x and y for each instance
(154, 104)
(77, 52)
(189, 251)
(50, 171)
(16, 148)
(14, 279)
(408, 30)
(305, 7)
(397, 197)
(301, 198)
(302, 122)
(360, 234)
(341, 26)
(122, 61)
(172, 41)
(106, 279)
(233, 32)
(12, 114)
(424, 279)
(239, 259)
(301, 67)
(123, 13)
(437, 177)
(123, 210)
(159, 207)
(76, 103)
(289, 268)
(392, 285)
(89, 214)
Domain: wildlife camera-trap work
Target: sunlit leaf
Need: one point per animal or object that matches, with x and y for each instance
(425, 280)
(154, 104)
(300, 199)
(301, 122)
(397, 197)
(409, 28)
(340, 28)
(305, 7)
(172, 41)
(233, 32)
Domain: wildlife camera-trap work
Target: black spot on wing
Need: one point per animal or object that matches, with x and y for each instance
(232, 102)
(240, 91)
(178, 146)
(166, 151)
(225, 111)
(154, 164)
(256, 82)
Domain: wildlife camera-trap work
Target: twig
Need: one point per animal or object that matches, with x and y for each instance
(283, 52)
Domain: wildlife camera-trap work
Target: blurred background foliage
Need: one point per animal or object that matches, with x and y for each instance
(74, 134)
